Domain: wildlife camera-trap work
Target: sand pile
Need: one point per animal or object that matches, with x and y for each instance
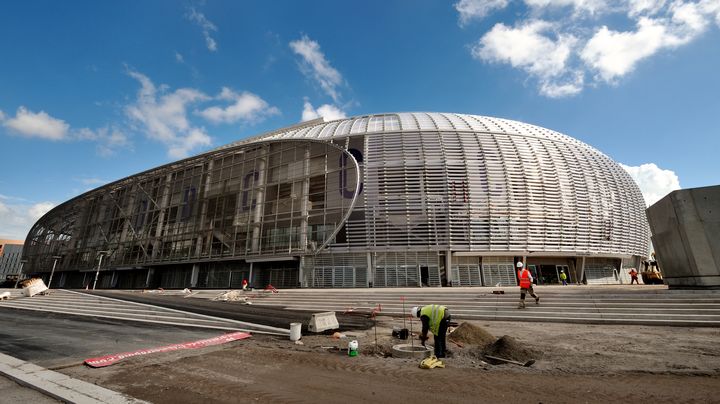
(509, 348)
(468, 334)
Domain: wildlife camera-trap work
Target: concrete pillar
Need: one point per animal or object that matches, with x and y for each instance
(370, 270)
(203, 210)
(151, 273)
(164, 200)
(305, 200)
(301, 272)
(448, 267)
(582, 270)
(194, 275)
(113, 279)
(127, 213)
(251, 277)
(260, 200)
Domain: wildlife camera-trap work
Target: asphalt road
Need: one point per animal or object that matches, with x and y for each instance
(272, 316)
(53, 340)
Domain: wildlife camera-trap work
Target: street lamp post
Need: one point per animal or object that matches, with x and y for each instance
(56, 257)
(22, 264)
(97, 273)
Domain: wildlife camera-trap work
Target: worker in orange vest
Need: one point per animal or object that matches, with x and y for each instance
(633, 276)
(526, 285)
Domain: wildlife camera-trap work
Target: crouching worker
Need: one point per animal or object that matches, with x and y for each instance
(435, 318)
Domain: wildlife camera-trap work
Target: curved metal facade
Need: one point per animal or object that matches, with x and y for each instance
(383, 200)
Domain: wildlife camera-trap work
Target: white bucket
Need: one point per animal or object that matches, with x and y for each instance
(295, 331)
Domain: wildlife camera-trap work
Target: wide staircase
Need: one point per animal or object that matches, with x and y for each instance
(591, 304)
(68, 302)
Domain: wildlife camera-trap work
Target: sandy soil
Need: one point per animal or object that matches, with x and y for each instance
(575, 363)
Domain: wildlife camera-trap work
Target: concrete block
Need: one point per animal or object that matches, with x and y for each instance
(33, 287)
(323, 321)
(51, 376)
(10, 361)
(28, 367)
(685, 229)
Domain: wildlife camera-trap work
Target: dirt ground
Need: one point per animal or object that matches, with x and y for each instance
(574, 363)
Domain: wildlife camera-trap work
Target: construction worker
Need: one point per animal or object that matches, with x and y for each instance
(435, 318)
(526, 285)
(563, 277)
(633, 276)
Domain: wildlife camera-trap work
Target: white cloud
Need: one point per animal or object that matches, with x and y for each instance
(109, 139)
(206, 26)
(163, 116)
(92, 181)
(653, 181)
(644, 7)
(326, 111)
(39, 209)
(245, 106)
(179, 57)
(526, 47)
(564, 41)
(477, 9)
(568, 86)
(42, 125)
(578, 6)
(194, 139)
(31, 124)
(17, 219)
(537, 49)
(614, 54)
(711, 8)
(317, 67)
(689, 18)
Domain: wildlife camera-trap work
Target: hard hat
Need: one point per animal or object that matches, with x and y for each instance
(519, 264)
(415, 311)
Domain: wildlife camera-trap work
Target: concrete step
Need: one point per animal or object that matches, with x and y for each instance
(652, 306)
(81, 304)
(598, 305)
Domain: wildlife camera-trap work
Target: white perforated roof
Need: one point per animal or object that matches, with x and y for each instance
(408, 122)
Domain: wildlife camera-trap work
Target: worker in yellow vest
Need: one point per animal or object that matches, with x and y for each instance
(434, 318)
(526, 284)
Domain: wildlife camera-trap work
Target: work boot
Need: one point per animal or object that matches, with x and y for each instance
(537, 300)
(521, 305)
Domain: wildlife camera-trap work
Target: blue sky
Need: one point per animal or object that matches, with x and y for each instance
(91, 92)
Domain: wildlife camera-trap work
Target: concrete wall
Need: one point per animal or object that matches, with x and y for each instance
(10, 255)
(685, 227)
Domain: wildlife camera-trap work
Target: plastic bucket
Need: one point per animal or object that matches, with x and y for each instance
(295, 329)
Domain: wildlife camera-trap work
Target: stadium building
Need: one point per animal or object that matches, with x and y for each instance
(401, 199)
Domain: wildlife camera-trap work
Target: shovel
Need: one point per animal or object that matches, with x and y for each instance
(526, 364)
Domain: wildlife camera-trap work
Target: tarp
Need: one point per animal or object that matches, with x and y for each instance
(108, 360)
